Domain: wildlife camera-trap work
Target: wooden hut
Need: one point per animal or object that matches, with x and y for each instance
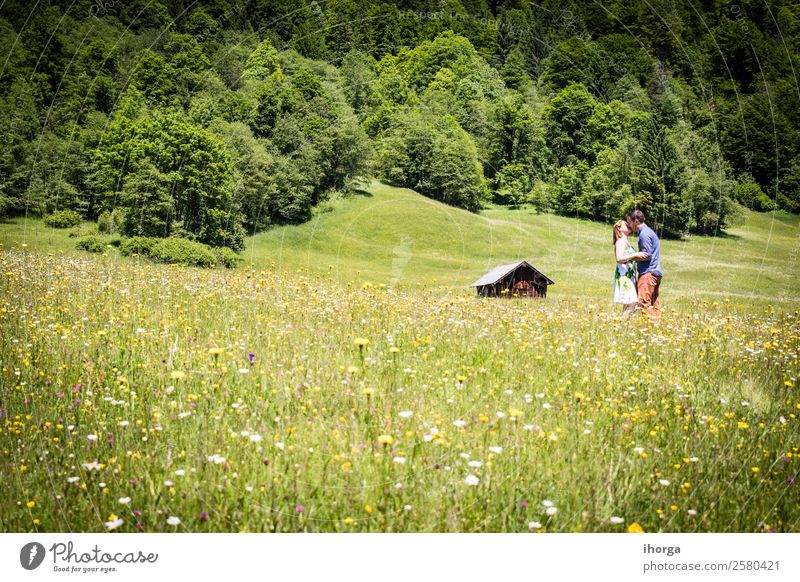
(520, 279)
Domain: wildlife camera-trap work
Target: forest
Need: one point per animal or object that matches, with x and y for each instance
(214, 119)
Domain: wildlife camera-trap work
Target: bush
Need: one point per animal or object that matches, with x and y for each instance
(227, 257)
(178, 251)
(93, 244)
(111, 222)
(139, 245)
(183, 252)
(104, 223)
(749, 193)
(62, 219)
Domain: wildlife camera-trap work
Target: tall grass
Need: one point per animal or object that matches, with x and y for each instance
(270, 400)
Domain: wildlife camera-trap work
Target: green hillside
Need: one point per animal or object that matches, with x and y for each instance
(396, 237)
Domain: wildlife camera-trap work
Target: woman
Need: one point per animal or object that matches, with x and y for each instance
(625, 273)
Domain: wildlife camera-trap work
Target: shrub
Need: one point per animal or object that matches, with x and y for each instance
(104, 223)
(62, 219)
(227, 257)
(140, 245)
(183, 252)
(749, 193)
(177, 251)
(93, 244)
(111, 222)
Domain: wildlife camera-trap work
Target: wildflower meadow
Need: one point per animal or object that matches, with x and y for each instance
(143, 397)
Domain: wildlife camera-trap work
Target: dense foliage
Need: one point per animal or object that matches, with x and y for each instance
(210, 119)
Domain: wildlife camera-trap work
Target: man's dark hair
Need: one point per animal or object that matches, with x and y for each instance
(635, 216)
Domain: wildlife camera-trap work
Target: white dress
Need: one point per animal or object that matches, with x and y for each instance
(625, 281)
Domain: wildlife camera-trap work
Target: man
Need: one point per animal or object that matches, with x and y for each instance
(650, 268)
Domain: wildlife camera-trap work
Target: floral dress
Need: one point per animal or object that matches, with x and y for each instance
(625, 281)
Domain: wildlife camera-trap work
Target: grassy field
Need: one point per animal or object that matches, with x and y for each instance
(345, 379)
(396, 237)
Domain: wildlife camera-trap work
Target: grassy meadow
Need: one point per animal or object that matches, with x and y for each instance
(345, 379)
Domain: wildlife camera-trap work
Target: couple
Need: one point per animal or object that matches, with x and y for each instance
(637, 287)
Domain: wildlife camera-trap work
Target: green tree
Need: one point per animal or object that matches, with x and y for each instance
(435, 156)
(192, 159)
(576, 61)
(146, 197)
(514, 72)
(262, 62)
(516, 139)
(358, 76)
(749, 193)
(566, 120)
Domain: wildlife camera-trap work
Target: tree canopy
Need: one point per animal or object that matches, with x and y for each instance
(220, 117)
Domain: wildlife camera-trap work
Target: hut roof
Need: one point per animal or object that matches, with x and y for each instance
(501, 271)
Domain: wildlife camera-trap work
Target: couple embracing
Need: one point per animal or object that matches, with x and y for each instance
(638, 275)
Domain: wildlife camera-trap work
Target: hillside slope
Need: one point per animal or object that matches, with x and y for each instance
(396, 237)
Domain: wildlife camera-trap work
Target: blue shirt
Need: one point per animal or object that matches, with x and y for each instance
(649, 243)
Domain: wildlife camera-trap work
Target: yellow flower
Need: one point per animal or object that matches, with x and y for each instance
(368, 508)
(216, 351)
(635, 528)
(177, 375)
(369, 391)
(394, 349)
(756, 469)
(385, 439)
(361, 342)
(348, 521)
(31, 504)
